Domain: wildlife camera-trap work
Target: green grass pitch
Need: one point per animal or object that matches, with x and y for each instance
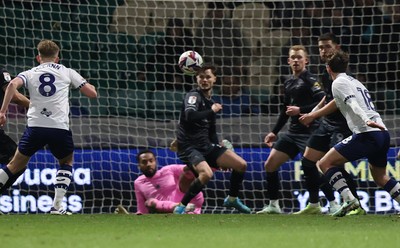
(206, 231)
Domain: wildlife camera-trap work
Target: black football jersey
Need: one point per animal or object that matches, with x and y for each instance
(304, 92)
(197, 121)
(335, 119)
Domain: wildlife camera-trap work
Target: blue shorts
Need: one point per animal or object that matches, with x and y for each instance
(371, 145)
(59, 141)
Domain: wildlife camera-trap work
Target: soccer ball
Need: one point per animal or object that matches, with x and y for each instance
(189, 62)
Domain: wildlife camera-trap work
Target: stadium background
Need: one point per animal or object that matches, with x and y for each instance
(109, 42)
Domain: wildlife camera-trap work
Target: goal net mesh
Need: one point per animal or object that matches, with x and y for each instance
(129, 51)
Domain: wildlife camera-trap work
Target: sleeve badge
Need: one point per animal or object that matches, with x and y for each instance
(192, 99)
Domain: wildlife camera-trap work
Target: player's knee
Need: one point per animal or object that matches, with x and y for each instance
(205, 176)
(242, 166)
(322, 166)
(270, 167)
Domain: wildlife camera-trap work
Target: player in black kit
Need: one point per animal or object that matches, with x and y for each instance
(7, 145)
(332, 130)
(198, 144)
(302, 93)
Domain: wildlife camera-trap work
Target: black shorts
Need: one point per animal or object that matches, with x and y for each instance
(291, 144)
(7, 148)
(326, 136)
(192, 156)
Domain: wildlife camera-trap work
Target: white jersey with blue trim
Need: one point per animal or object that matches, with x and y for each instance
(355, 103)
(48, 85)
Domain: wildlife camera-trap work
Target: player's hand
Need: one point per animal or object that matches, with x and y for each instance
(121, 210)
(398, 155)
(216, 107)
(292, 110)
(227, 144)
(3, 119)
(306, 119)
(269, 139)
(173, 146)
(374, 124)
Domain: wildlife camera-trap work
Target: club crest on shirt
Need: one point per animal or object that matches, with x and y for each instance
(192, 99)
(7, 76)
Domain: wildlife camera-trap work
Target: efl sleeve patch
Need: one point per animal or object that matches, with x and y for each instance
(7, 76)
(192, 99)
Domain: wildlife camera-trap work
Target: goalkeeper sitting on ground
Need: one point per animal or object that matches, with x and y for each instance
(160, 191)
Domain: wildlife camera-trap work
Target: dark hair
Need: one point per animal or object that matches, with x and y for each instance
(142, 152)
(205, 68)
(338, 62)
(329, 36)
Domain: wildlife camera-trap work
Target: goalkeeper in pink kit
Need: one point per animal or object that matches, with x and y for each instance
(160, 191)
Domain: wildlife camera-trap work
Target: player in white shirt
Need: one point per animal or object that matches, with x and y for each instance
(370, 137)
(48, 117)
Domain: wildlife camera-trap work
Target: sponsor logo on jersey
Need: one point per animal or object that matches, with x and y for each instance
(46, 112)
(316, 84)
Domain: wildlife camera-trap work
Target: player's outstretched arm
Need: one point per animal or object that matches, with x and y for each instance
(21, 100)
(320, 105)
(329, 108)
(89, 90)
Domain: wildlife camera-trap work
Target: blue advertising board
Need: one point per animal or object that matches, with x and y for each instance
(103, 178)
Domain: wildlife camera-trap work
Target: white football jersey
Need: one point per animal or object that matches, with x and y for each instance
(348, 93)
(48, 85)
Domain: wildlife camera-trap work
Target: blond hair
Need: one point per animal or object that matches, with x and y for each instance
(48, 49)
(298, 48)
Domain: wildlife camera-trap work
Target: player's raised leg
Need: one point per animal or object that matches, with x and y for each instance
(205, 174)
(231, 160)
(10, 173)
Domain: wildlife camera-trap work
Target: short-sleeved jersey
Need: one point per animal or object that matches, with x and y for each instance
(348, 90)
(335, 120)
(199, 133)
(163, 186)
(48, 85)
(303, 91)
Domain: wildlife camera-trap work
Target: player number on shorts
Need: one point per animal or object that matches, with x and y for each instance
(367, 98)
(47, 87)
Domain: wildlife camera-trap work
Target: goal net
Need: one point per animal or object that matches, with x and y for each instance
(129, 51)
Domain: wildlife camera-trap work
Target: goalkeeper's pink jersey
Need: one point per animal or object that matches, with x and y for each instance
(163, 186)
